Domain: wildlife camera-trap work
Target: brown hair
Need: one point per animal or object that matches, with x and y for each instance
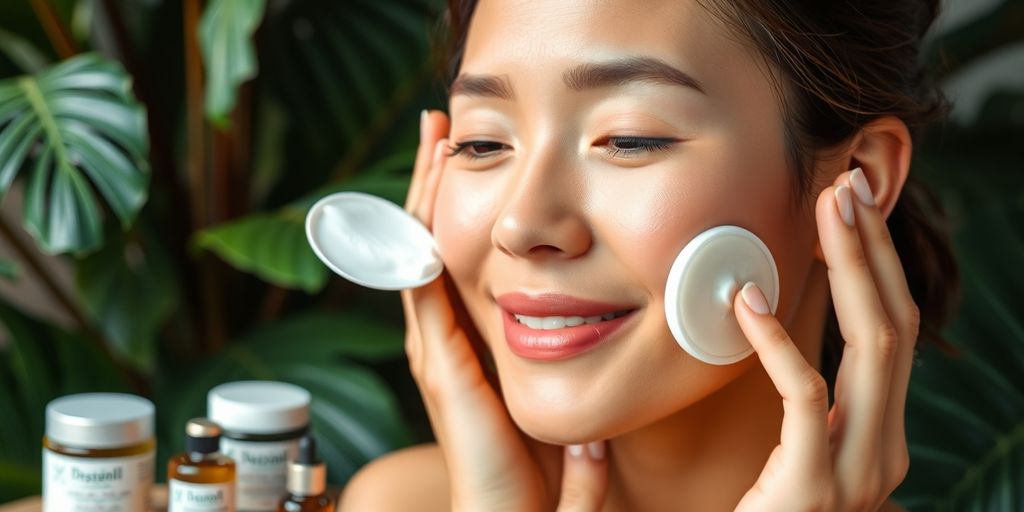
(842, 65)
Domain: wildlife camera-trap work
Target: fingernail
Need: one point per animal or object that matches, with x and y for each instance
(596, 450)
(576, 450)
(754, 298)
(845, 204)
(861, 187)
(439, 151)
(423, 123)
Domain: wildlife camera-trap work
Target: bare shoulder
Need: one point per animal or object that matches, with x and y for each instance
(413, 478)
(891, 505)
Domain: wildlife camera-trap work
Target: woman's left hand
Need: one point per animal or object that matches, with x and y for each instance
(849, 458)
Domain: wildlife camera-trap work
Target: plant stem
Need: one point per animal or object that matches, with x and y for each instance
(31, 258)
(212, 300)
(94, 336)
(56, 32)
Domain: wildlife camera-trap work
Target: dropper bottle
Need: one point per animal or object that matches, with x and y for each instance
(307, 482)
(201, 478)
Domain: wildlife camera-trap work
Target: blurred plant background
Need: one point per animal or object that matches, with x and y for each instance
(157, 158)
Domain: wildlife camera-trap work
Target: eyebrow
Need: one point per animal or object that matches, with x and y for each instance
(585, 76)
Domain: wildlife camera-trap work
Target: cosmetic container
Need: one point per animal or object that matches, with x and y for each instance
(261, 423)
(307, 482)
(201, 479)
(98, 453)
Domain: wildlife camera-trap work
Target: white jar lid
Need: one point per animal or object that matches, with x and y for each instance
(702, 283)
(99, 420)
(259, 407)
(372, 242)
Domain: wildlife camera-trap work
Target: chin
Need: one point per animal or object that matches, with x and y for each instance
(545, 418)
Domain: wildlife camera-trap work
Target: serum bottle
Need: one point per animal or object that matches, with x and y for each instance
(307, 481)
(201, 478)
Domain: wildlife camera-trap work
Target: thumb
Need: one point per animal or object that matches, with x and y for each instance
(584, 477)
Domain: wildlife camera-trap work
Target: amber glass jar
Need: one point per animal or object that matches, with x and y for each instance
(98, 453)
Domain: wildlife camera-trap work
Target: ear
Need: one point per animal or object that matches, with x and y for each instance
(882, 149)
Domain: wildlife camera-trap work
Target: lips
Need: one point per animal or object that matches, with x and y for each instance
(564, 340)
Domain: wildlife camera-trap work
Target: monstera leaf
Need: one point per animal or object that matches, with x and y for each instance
(70, 125)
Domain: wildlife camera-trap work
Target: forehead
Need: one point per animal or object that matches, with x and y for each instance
(511, 35)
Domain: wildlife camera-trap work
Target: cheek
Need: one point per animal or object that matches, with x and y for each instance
(669, 207)
(463, 216)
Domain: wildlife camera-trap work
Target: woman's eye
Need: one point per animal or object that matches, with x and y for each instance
(476, 148)
(635, 146)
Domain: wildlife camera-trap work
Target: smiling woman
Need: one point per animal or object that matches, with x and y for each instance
(588, 142)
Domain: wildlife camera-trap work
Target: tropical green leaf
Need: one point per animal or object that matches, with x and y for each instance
(70, 125)
(21, 52)
(129, 290)
(355, 414)
(225, 37)
(965, 412)
(273, 246)
(353, 76)
(38, 363)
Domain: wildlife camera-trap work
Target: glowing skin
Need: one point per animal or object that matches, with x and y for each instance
(558, 202)
(558, 213)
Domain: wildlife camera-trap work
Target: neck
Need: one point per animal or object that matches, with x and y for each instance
(706, 456)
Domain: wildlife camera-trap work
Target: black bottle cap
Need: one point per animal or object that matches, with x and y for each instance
(307, 451)
(202, 436)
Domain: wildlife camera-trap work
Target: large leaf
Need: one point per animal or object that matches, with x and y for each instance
(355, 414)
(965, 413)
(37, 364)
(353, 76)
(273, 246)
(129, 290)
(225, 37)
(72, 124)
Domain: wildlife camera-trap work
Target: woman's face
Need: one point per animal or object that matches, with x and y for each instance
(605, 136)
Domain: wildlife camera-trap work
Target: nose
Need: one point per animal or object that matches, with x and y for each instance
(543, 215)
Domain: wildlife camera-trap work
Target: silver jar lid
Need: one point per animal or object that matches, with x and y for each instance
(259, 407)
(99, 420)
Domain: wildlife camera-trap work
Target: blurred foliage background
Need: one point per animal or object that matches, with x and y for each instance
(157, 158)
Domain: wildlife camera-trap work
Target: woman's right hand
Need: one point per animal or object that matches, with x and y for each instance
(491, 464)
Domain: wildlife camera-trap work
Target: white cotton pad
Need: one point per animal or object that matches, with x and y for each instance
(703, 280)
(372, 242)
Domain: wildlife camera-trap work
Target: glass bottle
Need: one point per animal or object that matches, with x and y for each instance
(201, 478)
(307, 482)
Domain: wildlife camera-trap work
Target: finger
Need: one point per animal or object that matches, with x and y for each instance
(425, 208)
(804, 435)
(870, 340)
(433, 126)
(899, 304)
(584, 478)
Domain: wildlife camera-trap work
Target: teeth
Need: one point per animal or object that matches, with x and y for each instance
(558, 322)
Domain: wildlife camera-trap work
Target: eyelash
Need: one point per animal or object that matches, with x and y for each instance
(642, 145)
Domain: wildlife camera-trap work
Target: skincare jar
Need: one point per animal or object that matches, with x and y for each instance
(262, 422)
(98, 453)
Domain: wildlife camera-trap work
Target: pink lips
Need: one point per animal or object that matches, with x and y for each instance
(562, 343)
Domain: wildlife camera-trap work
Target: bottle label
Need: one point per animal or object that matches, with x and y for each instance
(191, 497)
(261, 469)
(80, 484)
